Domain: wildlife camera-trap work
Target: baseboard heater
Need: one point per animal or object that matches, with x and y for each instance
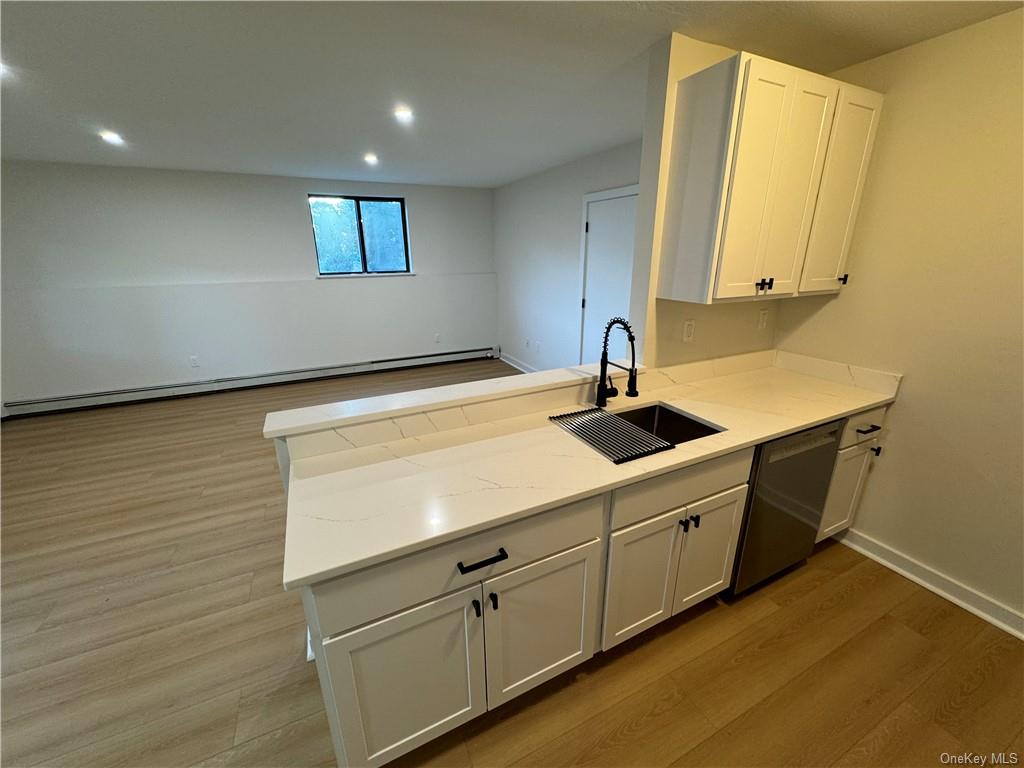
(86, 400)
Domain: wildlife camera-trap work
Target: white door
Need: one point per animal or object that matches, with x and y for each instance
(642, 563)
(401, 681)
(844, 491)
(540, 620)
(607, 269)
(709, 547)
(803, 156)
(766, 102)
(846, 167)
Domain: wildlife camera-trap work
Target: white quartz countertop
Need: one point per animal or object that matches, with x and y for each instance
(342, 518)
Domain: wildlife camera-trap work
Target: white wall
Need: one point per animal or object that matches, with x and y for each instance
(113, 277)
(935, 293)
(537, 224)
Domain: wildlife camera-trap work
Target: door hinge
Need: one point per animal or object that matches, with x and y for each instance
(583, 304)
(586, 227)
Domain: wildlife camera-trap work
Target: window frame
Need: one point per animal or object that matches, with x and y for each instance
(358, 200)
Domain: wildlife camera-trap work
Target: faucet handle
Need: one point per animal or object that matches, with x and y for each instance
(611, 391)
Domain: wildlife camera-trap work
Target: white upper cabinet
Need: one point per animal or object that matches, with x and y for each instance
(799, 176)
(756, 181)
(846, 167)
(768, 90)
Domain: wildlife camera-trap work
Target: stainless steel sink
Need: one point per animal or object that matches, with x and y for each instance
(670, 425)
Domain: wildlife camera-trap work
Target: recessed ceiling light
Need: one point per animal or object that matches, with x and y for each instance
(370, 158)
(403, 114)
(112, 138)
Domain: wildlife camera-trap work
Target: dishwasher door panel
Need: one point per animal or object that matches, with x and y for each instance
(789, 486)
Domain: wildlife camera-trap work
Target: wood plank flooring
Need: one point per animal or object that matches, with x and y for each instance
(143, 624)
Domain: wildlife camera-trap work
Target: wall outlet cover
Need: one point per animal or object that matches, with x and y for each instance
(689, 328)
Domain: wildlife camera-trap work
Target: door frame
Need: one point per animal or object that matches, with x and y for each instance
(595, 197)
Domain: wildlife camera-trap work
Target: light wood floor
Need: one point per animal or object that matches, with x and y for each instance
(144, 625)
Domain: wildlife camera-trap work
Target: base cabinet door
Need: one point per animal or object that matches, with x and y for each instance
(642, 563)
(541, 620)
(844, 491)
(402, 681)
(708, 547)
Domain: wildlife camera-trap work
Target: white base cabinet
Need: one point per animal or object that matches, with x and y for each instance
(848, 477)
(406, 679)
(642, 563)
(709, 548)
(664, 565)
(541, 620)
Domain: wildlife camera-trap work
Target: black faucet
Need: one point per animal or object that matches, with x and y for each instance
(604, 391)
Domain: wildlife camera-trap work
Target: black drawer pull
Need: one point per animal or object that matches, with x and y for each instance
(869, 430)
(494, 600)
(464, 569)
(771, 283)
(476, 608)
(843, 279)
(877, 450)
(686, 525)
(696, 520)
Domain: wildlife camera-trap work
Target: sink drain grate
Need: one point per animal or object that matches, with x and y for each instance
(616, 438)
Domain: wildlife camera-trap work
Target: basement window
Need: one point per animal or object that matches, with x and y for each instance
(360, 235)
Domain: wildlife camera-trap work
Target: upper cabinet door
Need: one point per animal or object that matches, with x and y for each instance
(764, 109)
(846, 166)
(541, 620)
(803, 157)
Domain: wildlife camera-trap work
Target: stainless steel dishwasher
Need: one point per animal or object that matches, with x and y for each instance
(789, 483)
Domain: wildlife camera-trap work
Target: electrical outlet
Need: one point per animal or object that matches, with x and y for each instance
(536, 347)
(193, 360)
(437, 338)
(762, 320)
(689, 327)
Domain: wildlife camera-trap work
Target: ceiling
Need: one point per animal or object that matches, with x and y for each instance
(500, 90)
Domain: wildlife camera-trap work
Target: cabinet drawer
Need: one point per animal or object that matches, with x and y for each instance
(869, 424)
(659, 494)
(357, 598)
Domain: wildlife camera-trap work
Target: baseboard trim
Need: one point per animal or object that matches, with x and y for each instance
(981, 605)
(517, 363)
(93, 399)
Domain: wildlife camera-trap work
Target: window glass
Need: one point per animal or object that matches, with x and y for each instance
(383, 235)
(336, 233)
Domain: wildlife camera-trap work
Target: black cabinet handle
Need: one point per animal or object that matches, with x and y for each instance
(869, 430)
(464, 569)
(771, 283)
(877, 450)
(696, 520)
(476, 608)
(494, 600)
(686, 525)
(843, 279)
(761, 285)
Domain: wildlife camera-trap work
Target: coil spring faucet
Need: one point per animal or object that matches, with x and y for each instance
(604, 391)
